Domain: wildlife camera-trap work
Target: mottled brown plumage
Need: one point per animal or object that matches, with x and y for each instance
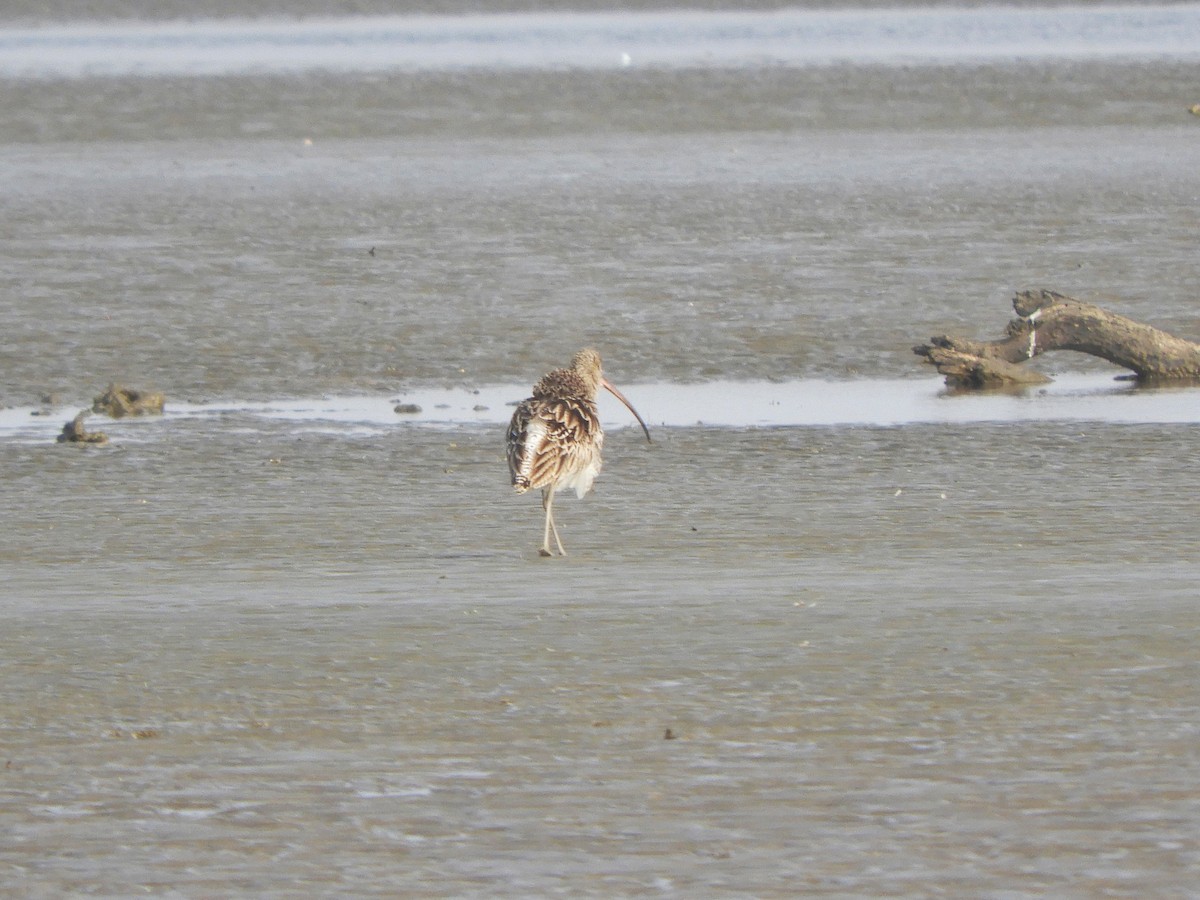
(555, 437)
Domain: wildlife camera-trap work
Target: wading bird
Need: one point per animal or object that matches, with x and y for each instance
(555, 438)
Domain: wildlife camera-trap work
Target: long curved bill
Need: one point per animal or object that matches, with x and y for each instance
(607, 385)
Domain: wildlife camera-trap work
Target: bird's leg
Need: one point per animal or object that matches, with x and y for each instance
(548, 504)
(547, 499)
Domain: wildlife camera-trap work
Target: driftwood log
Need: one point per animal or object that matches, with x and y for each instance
(1050, 321)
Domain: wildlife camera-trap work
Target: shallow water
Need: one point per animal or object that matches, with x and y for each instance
(603, 40)
(286, 641)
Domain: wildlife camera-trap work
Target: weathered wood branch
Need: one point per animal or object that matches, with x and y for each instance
(1050, 321)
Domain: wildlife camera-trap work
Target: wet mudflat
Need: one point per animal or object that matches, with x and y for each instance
(830, 634)
(891, 660)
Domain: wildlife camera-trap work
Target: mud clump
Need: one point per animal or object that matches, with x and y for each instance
(119, 402)
(74, 432)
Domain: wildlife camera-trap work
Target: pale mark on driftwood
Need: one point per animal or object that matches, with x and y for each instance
(1051, 321)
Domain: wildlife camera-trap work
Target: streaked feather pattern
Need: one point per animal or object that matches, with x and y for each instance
(554, 439)
(555, 436)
